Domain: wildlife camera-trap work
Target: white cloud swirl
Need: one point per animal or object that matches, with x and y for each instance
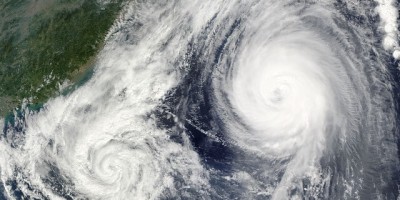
(296, 93)
(100, 137)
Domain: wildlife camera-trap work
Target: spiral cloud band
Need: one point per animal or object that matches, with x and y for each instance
(220, 100)
(292, 93)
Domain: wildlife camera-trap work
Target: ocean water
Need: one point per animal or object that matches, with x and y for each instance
(222, 100)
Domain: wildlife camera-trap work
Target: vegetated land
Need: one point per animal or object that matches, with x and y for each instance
(44, 42)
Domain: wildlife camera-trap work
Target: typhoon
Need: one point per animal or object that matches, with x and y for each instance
(215, 99)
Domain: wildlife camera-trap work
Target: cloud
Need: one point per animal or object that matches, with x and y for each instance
(389, 13)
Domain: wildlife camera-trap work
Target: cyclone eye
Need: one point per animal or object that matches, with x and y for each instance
(204, 99)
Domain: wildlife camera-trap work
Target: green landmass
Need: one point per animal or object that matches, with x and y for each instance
(44, 42)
